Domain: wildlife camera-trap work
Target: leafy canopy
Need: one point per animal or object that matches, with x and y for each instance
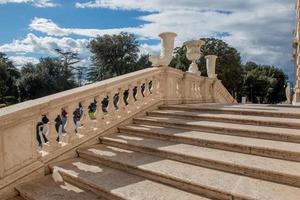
(114, 55)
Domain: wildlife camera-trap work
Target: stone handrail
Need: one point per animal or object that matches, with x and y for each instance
(18, 143)
(116, 99)
(221, 93)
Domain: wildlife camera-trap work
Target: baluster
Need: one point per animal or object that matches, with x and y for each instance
(43, 148)
(139, 94)
(121, 103)
(85, 119)
(146, 91)
(198, 90)
(71, 126)
(155, 87)
(100, 115)
(111, 107)
(53, 134)
(130, 99)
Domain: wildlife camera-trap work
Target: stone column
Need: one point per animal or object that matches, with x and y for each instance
(167, 42)
(193, 53)
(296, 44)
(211, 65)
(288, 93)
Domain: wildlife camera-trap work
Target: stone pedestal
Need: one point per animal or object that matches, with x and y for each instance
(211, 65)
(288, 93)
(167, 42)
(193, 53)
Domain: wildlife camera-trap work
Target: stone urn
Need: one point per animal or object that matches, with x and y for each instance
(167, 46)
(211, 65)
(193, 53)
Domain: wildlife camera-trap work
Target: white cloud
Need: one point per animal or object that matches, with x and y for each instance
(21, 60)
(260, 30)
(50, 28)
(37, 3)
(46, 45)
(150, 49)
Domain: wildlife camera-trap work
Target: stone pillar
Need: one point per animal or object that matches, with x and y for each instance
(288, 93)
(167, 42)
(296, 44)
(193, 53)
(211, 65)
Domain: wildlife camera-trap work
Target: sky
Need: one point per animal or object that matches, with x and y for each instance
(261, 30)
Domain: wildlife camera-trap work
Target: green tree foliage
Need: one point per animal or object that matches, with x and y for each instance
(80, 72)
(263, 83)
(114, 55)
(68, 60)
(228, 66)
(45, 78)
(8, 77)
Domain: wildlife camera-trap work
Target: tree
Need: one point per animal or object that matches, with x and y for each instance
(3, 78)
(142, 63)
(114, 55)
(8, 76)
(263, 83)
(69, 59)
(228, 65)
(80, 74)
(45, 78)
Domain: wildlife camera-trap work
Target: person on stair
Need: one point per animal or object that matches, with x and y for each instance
(76, 119)
(92, 111)
(58, 128)
(41, 131)
(64, 117)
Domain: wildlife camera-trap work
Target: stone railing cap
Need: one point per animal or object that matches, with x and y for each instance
(211, 56)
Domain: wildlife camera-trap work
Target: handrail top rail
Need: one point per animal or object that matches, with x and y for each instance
(38, 103)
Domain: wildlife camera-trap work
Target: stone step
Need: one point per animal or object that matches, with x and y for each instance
(263, 132)
(204, 181)
(254, 146)
(255, 110)
(47, 189)
(280, 171)
(115, 184)
(231, 118)
(16, 198)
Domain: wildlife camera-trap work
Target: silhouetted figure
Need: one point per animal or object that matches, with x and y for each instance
(76, 118)
(64, 117)
(41, 131)
(58, 127)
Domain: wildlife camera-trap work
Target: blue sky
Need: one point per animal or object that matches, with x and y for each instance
(260, 30)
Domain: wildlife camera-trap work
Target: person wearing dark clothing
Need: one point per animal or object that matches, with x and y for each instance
(58, 127)
(64, 116)
(40, 131)
(92, 111)
(76, 118)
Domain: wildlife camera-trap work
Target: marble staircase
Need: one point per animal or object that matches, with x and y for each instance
(186, 152)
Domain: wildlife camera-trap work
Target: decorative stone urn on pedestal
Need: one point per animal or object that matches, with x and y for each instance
(193, 53)
(211, 65)
(167, 42)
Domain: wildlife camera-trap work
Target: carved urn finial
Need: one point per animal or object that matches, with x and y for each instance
(193, 53)
(167, 46)
(211, 65)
